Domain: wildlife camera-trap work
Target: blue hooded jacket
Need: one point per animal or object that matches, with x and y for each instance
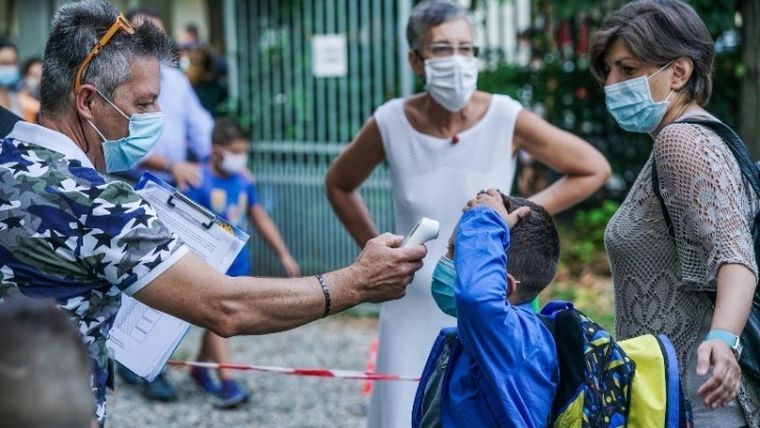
(502, 369)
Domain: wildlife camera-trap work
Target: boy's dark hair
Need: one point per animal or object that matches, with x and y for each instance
(44, 367)
(534, 248)
(227, 130)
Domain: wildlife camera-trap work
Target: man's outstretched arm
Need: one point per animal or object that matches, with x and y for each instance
(193, 291)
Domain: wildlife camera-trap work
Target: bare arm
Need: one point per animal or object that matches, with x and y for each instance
(585, 169)
(735, 289)
(713, 236)
(271, 235)
(184, 173)
(347, 173)
(193, 291)
(156, 162)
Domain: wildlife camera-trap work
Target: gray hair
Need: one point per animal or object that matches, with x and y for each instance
(658, 32)
(430, 13)
(76, 28)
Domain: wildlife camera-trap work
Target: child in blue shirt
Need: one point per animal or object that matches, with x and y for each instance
(498, 367)
(227, 188)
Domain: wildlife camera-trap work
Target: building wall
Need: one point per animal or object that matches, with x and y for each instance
(27, 22)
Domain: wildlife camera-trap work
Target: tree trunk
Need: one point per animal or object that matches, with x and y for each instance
(749, 99)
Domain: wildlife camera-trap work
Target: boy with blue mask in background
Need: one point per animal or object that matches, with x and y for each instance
(227, 188)
(499, 366)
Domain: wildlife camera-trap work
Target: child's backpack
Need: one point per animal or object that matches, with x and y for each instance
(605, 383)
(750, 337)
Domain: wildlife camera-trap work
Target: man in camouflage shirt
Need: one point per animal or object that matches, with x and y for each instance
(68, 234)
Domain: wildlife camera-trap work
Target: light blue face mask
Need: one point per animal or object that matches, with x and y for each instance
(442, 286)
(126, 152)
(630, 103)
(9, 76)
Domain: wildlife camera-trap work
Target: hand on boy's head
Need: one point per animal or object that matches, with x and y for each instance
(493, 198)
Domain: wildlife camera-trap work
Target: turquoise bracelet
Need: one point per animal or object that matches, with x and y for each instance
(724, 336)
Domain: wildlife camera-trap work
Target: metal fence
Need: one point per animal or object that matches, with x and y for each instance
(300, 122)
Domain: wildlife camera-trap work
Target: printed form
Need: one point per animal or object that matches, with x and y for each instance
(143, 338)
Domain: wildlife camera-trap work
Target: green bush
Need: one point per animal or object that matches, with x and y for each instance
(583, 240)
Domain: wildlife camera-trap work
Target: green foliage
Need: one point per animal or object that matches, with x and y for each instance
(583, 239)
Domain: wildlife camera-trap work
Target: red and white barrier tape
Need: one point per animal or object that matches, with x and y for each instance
(316, 372)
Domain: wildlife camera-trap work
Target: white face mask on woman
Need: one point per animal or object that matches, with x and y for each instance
(451, 80)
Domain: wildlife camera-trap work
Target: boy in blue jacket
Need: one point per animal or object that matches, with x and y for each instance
(498, 367)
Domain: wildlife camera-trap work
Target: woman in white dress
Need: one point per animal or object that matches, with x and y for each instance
(443, 146)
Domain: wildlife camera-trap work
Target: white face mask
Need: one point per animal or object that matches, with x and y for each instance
(451, 80)
(233, 163)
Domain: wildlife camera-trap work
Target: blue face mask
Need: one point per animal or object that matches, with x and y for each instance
(630, 103)
(126, 152)
(9, 76)
(442, 287)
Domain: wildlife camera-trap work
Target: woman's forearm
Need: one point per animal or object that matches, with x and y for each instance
(568, 191)
(736, 287)
(353, 213)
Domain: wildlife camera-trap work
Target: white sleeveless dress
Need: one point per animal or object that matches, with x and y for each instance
(431, 177)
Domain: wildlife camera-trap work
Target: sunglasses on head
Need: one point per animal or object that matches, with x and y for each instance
(121, 24)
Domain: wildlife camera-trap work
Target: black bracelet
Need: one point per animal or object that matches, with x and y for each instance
(326, 291)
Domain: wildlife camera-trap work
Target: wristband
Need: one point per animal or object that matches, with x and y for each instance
(728, 338)
(326, 291)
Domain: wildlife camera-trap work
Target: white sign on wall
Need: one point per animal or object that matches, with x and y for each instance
(329, 55)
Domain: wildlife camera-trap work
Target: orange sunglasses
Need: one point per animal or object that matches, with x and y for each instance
(121, 23)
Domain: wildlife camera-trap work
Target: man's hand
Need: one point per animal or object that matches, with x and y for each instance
(383, 270)
(492, 198)
(186, 174)
(723, 385)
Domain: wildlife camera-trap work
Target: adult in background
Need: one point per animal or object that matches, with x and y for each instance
(186, 140)
(67, 233)
(9, 78)
(29, 88)
(200, 69)
(655, 58)
(443, 146)
(31, 75)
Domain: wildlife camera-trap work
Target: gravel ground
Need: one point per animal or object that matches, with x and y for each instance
(276, 400)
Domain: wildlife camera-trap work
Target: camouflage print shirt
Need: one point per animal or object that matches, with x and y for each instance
(67, 234)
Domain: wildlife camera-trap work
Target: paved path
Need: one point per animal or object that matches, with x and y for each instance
(276, 400)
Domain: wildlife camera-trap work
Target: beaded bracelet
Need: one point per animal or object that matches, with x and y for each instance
(326, 291)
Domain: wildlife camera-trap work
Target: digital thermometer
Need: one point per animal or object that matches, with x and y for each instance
(425, 230)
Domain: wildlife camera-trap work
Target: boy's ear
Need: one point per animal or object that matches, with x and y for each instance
(513, 284)
(452, 240)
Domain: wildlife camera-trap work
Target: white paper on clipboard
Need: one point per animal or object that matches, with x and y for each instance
(142, 338)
